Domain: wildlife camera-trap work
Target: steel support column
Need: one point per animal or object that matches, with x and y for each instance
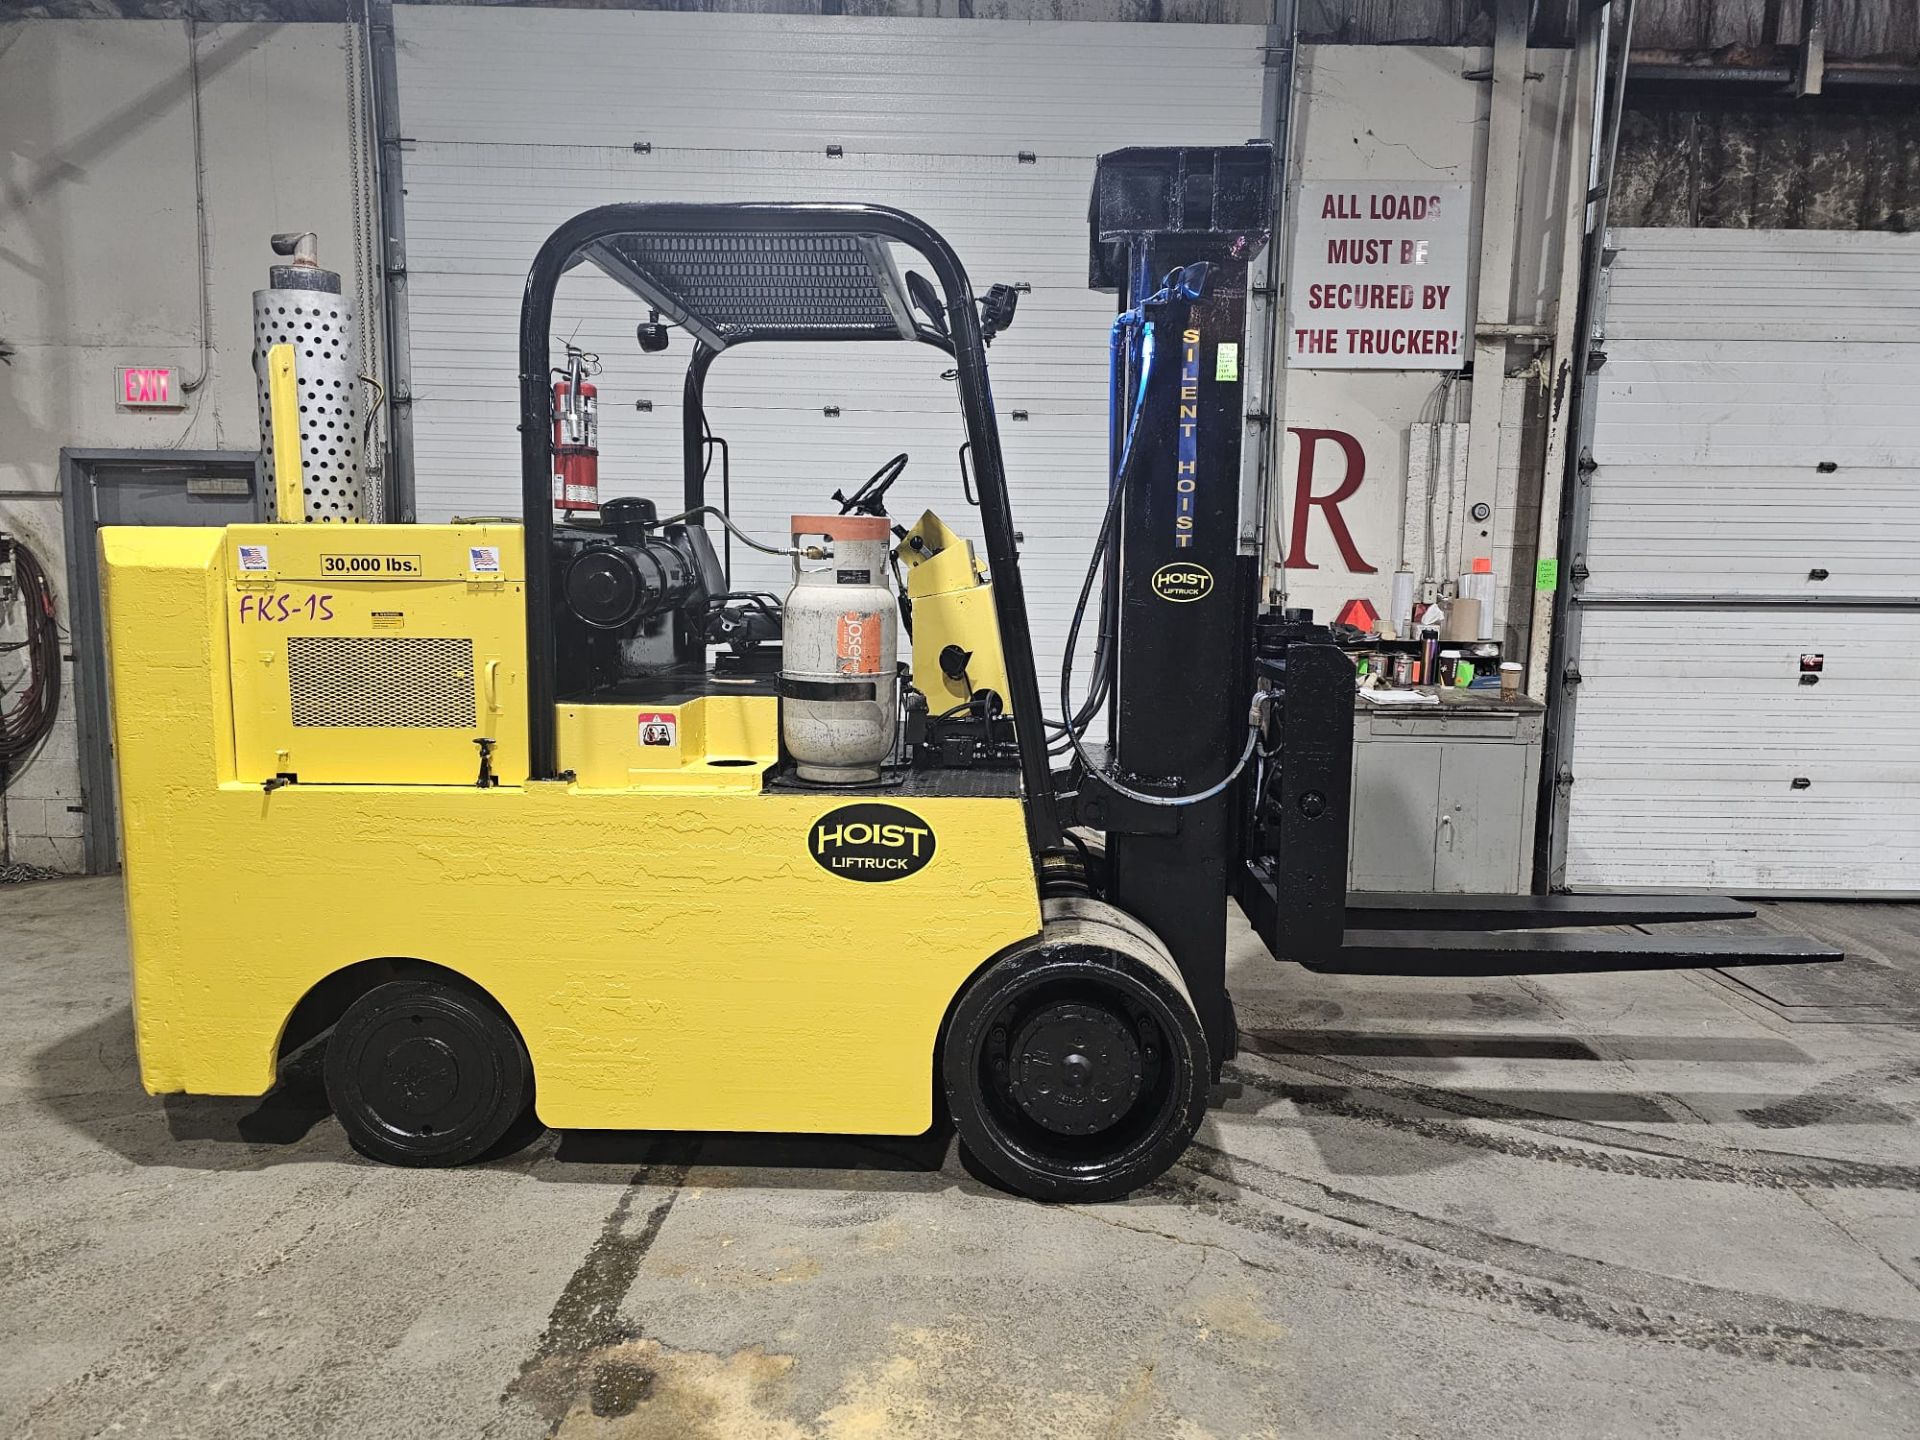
(391, 218)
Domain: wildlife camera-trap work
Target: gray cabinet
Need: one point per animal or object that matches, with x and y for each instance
(1444, 796)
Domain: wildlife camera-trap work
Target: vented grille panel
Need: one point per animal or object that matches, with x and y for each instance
(380, 682)
(739, 287)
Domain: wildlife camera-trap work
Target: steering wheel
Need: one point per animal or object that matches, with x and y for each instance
(870, 498)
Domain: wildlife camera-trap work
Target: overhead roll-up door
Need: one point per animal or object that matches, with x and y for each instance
(1746, 636)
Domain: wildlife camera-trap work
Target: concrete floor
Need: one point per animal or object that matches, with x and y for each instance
(1663, 1205)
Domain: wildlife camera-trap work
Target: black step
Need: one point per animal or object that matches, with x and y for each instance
(1395, 910)
(1458, 952)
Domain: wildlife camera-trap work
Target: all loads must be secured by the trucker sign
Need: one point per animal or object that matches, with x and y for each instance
(1379, 277)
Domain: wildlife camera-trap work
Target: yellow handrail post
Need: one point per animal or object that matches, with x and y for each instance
(283, 396)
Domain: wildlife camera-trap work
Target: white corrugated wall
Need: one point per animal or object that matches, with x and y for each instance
(519, 118)
(1758, 424)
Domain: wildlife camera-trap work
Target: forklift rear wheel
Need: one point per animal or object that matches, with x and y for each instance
(425, 1073)
(1075, 1068)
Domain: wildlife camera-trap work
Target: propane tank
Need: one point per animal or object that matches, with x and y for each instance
(576, 434)
(839, 672)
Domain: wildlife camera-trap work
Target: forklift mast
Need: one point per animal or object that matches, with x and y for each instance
(1229, 765)
(1172, 233)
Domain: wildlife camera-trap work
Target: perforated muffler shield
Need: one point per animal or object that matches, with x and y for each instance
(326, 361)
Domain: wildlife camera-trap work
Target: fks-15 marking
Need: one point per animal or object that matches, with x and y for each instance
(279, 609)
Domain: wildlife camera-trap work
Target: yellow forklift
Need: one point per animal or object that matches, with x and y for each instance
(546, 817)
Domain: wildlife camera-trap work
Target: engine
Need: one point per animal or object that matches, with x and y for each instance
(632, 575)
(635, 598)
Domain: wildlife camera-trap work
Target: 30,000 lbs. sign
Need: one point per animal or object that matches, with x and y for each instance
(1379, 277)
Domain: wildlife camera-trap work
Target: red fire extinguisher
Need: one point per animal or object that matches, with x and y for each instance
(576, 434)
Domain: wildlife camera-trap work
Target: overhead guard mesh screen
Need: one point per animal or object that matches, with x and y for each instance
(758, 284)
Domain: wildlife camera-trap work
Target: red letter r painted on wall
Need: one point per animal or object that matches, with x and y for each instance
(1303, 497)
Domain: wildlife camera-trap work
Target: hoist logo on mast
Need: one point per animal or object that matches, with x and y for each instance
(1186, 480)
(1183, 582)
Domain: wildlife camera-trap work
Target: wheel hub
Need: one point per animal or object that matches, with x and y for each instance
(422, 1075)
(418, 1070)
(1076, 1068)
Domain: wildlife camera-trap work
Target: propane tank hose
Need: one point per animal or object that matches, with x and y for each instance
(733, 529)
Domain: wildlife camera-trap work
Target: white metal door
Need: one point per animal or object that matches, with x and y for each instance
(1747, 634)
(519, 118)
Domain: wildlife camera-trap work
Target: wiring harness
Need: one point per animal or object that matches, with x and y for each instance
(26, 719)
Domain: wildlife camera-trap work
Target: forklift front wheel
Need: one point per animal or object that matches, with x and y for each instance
(1075, 1067)
(428, 1074)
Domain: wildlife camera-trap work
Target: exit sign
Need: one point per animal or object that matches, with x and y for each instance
(150, 388)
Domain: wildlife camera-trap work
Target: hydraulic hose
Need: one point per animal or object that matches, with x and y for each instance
(1119, 340)
(1184, 283)
(1124, 326)
(1078, 720)
(1066, 676)
(1119, 488)
(1122, 477)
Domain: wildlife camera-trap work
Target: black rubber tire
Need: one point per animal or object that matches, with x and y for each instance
(425, 1073)
(1139, 1148)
